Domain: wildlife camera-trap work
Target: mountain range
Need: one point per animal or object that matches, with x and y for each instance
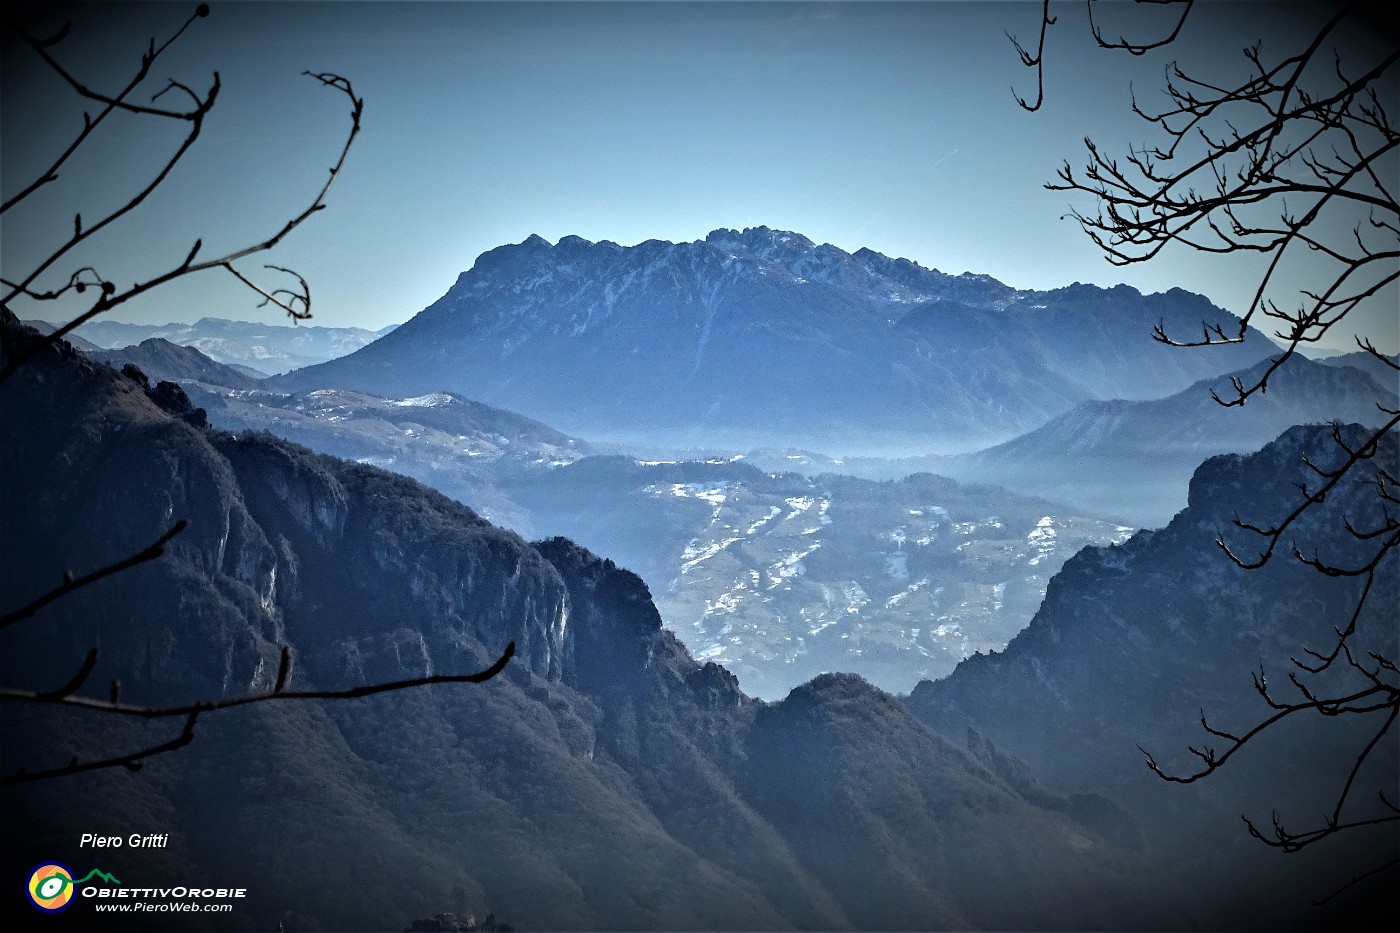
(618, 774)
(783, 577)
(720, 543)
(1134, 459)
(605, 780)
(609, 778)
(260, 348)
(762, 337)
(1381, 368)
(778, 577)
(460, 447)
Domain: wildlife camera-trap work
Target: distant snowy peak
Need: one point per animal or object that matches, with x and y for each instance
(875, 274)
(761, 243)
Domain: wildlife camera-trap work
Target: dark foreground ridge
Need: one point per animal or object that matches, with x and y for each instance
(1134, 642)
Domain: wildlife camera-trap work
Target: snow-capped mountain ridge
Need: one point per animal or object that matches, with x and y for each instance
(760, 337)
(593, 276)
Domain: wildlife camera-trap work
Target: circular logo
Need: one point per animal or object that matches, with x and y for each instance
(51, 887)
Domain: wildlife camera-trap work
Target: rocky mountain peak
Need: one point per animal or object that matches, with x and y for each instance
(761, 242)
(757, 337)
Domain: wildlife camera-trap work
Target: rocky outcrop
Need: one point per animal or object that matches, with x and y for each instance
(364, 574)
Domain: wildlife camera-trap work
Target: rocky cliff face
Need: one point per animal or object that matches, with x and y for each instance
(375, 575)
(604, 780)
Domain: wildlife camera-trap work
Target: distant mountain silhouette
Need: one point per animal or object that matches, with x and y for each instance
(1134, 459)
(761, 337)
(264, 346)
(160, 359)
(78, 343)
(1386, 376)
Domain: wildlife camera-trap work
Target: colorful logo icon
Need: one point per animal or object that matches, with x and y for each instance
(51, 887)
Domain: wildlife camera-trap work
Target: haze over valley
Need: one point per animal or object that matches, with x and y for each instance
(799, 566)
(677, 466)
(772, 565)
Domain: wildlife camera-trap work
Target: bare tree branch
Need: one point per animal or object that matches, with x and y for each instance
(1036, 60)
(192, 711)
(29, 286)
(69, 585)
(1296, 159)
(295, 302)
(131, 761)
(110, 104)
(1142, 47)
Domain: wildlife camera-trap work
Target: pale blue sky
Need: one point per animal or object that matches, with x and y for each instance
(890, 126)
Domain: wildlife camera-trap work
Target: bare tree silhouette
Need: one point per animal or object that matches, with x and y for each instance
(46, 282)
(1297, 160)
(191, 712)
(295, 300)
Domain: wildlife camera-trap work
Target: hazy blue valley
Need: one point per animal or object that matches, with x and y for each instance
(843, 593)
